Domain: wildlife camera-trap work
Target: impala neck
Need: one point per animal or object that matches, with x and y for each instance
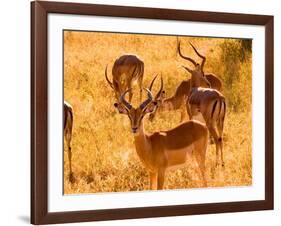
(142, 144)
(194, 83)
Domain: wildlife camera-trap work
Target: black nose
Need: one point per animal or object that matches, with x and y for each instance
(134, 130)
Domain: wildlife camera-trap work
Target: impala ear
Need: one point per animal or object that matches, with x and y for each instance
(151, 107)
(121, 108)
(206, 81)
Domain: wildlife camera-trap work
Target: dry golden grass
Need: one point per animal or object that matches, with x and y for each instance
(104, 156)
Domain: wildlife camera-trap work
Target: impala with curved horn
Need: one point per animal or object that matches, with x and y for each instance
(67, 128)
(164, 150)
(127, 70)
(198, 77)
(210, 103)
(178, 100)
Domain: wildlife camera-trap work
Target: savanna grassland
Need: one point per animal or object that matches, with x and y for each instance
(104, 156)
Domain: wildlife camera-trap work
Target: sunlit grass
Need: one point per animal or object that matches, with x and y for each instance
(104, 156)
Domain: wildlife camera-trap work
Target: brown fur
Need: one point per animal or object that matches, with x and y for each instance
(68, 124)
(162, 150)
(126, 70)
(211, 104)
(208, 102)
(178, 100)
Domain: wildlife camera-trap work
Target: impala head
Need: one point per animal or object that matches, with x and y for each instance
(158, 99)
(118, 87)
(197, 74)
(136, 115)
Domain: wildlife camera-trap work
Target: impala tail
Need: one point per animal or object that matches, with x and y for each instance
(218, 114)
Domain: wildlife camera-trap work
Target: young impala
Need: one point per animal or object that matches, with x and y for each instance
(127, 70)
(210, 103)
(67, 129)
(164, 150)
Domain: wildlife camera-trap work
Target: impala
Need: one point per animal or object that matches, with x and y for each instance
(164, 150)
(67, 128)
(178, 100)
(210, 103)
(127, 70)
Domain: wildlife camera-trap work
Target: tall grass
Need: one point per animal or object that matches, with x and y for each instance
(104, 156)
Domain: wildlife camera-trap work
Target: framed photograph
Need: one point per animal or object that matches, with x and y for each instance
(145, 112)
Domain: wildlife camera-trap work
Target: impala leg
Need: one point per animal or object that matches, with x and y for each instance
(69, 153)
(214, 134)
(221, 150)
(220, 129)
(160, 179)
(202, 170)
(153, 180)
(70, 164)
(200, 155)
(211, 140)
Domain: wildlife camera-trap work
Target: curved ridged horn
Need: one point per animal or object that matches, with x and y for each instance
(107, 79)
(201, 56)
(160, 91)
(152, 82)
(148, 100)
(123, 101)
(185, 57)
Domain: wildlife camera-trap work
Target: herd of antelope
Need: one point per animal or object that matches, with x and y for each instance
(164, 150)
